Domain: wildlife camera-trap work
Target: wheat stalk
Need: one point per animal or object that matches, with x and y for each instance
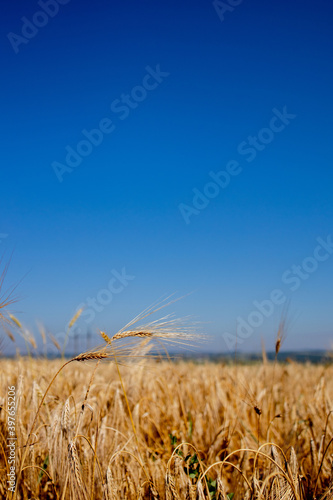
(86, 356)
(75, 467)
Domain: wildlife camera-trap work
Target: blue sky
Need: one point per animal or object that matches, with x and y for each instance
(198, 88)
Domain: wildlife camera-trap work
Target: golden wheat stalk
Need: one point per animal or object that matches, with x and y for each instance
(86, 356)
(75, 318)
(131, 333)
(15, 320)
(200, 491)
(170, 487)
(171, 330)
(76, 468)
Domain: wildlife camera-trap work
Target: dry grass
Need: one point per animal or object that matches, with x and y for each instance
(170, 430)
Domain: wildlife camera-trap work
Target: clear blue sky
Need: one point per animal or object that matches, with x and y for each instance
(180, 91)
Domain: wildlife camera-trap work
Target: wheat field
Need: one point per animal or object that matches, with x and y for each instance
(171, 430)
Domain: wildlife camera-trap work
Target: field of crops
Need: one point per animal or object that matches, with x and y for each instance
(169, 430)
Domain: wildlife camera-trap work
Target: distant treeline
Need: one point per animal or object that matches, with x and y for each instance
(315, 357)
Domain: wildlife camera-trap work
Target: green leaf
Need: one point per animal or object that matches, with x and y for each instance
(44, 466)
(173, 440)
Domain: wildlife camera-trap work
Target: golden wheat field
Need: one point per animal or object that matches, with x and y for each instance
(168, 430)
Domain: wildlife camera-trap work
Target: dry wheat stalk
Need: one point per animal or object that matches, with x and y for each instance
(76, 469)
(220, 491)
(190, 490)
(75, 463)
(86, 356)
(65, 417)
(171, 487)
(200, 491)
(111, 490)
(131, 333)
(75, 318)
(154, 491)
(54, 342)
